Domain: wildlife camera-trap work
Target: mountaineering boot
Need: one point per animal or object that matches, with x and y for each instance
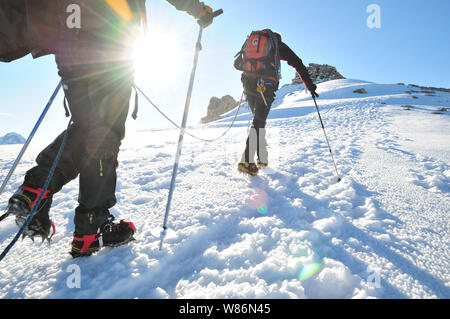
(21, 204)
(262, 164)
(110, 235)
(87, 241)
(248, 168)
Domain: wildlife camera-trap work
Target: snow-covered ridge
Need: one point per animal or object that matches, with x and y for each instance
(294, 100)
(12, 138)
(292, 232)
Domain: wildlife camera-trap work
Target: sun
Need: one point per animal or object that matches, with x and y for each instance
(157, 57)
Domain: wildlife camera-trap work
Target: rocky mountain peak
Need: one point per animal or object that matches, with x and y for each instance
(320, 73)
(12, 138)
(217, 107)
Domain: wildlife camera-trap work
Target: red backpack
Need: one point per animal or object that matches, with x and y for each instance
(260, 54)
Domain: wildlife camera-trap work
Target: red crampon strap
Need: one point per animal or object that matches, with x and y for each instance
(53, 228)
(35, 191)
(129, 224)
(87, 240)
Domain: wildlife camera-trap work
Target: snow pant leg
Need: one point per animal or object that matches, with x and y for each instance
(109, 93)
(67, 168)
(89, 221)
(99, 102)
(69, 164)
(72, 155)
(256, 141)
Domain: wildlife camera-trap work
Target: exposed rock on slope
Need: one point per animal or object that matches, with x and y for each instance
(217, 107)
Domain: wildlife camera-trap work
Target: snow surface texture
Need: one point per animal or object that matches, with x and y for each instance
(292, 232)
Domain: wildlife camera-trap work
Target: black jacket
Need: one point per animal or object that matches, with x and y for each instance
(286, 54)
(39, 26)
(100, 40)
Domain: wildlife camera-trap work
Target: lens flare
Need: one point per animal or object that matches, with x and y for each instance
(158, 57)
(263, 210)
(309, 271)
(258, 201)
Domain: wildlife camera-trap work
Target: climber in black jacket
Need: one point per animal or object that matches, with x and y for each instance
(259, 60)
(96, 67)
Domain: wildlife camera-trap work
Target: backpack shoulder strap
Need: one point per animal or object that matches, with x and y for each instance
(277, 57)
(243, 47)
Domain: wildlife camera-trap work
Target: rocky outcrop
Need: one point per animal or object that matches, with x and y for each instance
(428, 89)
(320, 73)
(12, 138)
(217, 107)
(361, 91)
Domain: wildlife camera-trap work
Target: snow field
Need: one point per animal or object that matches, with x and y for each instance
(292, 232)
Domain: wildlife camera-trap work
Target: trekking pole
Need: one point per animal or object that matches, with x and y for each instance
(326, 137)
(33, 132)
(198, 48)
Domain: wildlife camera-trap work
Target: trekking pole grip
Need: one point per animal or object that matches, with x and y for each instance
(217, 13)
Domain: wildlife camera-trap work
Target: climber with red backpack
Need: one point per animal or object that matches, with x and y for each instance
(259, 60)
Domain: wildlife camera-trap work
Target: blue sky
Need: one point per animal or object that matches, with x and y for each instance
(412, 46)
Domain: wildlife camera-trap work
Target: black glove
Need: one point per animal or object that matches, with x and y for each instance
(205, 16)
(312, 90)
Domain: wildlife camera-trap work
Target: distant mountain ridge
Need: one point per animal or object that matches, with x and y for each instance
(12, 138)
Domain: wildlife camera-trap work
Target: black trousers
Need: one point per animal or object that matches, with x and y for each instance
(256, 141)
(98, 99)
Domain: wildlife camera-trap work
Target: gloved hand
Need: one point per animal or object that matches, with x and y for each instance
(312, 90)
(205, 17)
